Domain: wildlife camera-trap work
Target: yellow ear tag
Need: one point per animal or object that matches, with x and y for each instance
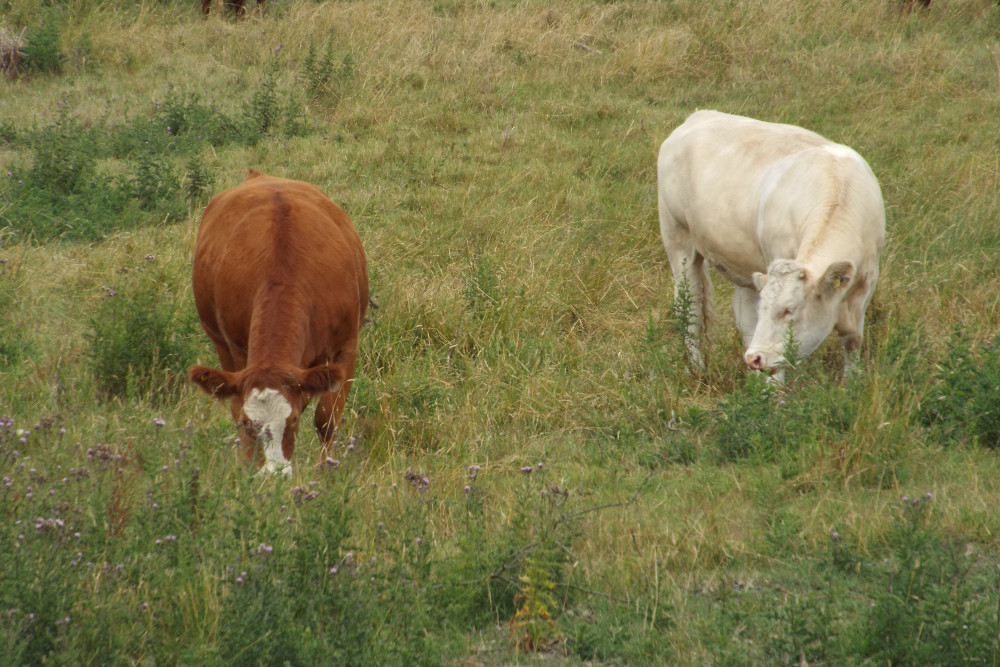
(836, 282)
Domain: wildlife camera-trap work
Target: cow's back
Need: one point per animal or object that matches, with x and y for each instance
(270, 233)
(716, 169)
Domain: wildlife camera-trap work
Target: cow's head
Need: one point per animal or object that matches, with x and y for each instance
(790, 296)
(267, 404)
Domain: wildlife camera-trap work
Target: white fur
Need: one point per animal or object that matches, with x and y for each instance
(747, 196)
(268, 410)
(771, 179)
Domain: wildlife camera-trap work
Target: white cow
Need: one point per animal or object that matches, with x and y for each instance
(794, 220)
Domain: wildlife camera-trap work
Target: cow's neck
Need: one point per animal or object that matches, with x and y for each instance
(278, 328)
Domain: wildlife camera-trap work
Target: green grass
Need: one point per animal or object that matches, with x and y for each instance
(498, 160)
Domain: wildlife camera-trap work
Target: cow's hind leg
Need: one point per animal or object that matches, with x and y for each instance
(692, 285)
(692, 298)
(851, 327)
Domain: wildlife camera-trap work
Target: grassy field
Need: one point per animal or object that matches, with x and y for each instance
(526, 473)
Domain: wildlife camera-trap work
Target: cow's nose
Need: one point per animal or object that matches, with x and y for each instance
(754, 361)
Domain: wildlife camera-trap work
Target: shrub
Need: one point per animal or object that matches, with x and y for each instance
(962, 402)
(323, 76)
(155, 184)
(262, 111)
(140, 343)
(13, 341)
(63, 154)
(746, 423)
(42, 52)
(935, 605)
(198, 181)
(194, 123)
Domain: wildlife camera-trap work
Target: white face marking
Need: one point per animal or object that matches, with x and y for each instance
(268, 410)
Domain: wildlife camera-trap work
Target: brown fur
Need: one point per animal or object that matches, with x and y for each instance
(281, 286)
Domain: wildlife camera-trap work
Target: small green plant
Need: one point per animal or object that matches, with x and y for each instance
(198, 181)
(14, 342)
(682, 309)
(962, 401)
(533, 626)
(323, 76)
(140, 343)
(263, 110)
(192, 122)
(63, 154)
(936, 603)
(155, 182)
(42, 52)
(791, 357)
(747, 423)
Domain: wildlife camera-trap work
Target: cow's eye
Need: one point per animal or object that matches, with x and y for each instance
(789, 312)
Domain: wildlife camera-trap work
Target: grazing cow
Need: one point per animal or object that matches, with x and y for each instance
(795, 221)
(281, 287)
(236, 5)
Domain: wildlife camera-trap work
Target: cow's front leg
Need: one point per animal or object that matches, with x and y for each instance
(745, 301)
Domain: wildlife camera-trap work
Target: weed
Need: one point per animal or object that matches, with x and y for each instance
(936, 604)
(323, 76)
(198, 181)
(14, 341)
(262, 110)
(747, 423)
(63, 154)
(184, 116)
(154, 183)
(684, 324)
(961, 404)
(139, 342)
(42, 52)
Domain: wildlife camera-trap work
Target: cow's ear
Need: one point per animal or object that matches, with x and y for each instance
(836, 278)
(213, 381)
(318, 379)
(760, 279)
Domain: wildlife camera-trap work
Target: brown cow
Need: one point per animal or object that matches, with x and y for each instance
(237, 5)
(281, 287)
